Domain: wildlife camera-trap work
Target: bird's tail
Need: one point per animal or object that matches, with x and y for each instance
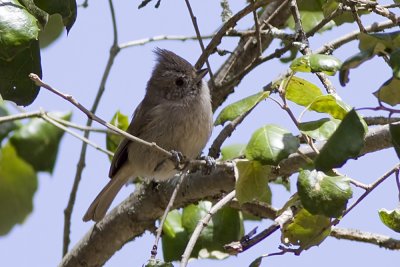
(102, 202)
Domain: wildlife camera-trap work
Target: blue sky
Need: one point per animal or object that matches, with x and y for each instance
(74, 65)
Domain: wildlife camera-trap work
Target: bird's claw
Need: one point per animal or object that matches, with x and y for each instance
(211, 164)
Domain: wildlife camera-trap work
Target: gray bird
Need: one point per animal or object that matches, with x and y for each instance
(175, 113)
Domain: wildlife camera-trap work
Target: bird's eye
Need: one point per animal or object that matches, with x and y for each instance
(179, 82)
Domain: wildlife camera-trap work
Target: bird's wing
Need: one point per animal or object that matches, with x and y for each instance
(141, 118)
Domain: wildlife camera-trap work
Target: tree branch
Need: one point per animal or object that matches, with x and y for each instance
(366, 237)
(140, 210)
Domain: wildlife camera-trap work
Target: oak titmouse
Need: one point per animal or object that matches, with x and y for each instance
(175, 114)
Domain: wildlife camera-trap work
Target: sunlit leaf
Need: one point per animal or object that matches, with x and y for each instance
(18, 184)
(112, 140)
(324, 194)
(225, 226)
(18, 29)
(391, 218)
(389, 92)
(253, 182)
(319, 130)
(232, 151)
(306, 230)
(394, 62)
(331, 105)
(234, 110)
(316, 63)
(345, 143)
(301, 92)
(270, 144)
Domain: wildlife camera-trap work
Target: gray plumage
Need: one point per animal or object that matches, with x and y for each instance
(175, 113)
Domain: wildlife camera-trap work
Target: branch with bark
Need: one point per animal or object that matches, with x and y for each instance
(140, 211)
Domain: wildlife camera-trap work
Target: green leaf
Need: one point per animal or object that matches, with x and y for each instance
(345, 143)
(52, 31)
(270, 144)
(234, 110)
(301, 92)
(331, 105)
(18, 184)
(256, 262)
(15, 83)
(37, 142)
(66, 8)
(6, 127)
(319, 130)
(379, 42)
(158, 263)
(394, 130)
(175, 237)
(18, 29)
(306, 230)
(345, 17)
(316, 63)
(391, 218)
(352, 63)
(389, 92)
(225, 226)
(112, 140)
(232, 151)
(324, 194)
(394, 62)
(310, 15)
(253, 182)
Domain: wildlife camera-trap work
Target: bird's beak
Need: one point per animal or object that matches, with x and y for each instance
(200, 74)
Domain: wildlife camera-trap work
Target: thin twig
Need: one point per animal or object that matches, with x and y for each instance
(77, 126)
(201, 224)
(398, 183)
(357, 18)
(333, 45)
(81, 162)
(236, 247)
(166, 211)
(227, 131)
(258, 30)
(21, 116)
(359, 184)
(59, 125)
(338, 11)
(366, 237)
(162, 38)
(216, 40)
(94, 117)
(307, 51)
(196, 28)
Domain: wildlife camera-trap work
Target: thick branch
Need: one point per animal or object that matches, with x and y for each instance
(139, 212)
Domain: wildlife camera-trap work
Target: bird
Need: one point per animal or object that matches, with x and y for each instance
(175, 113)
